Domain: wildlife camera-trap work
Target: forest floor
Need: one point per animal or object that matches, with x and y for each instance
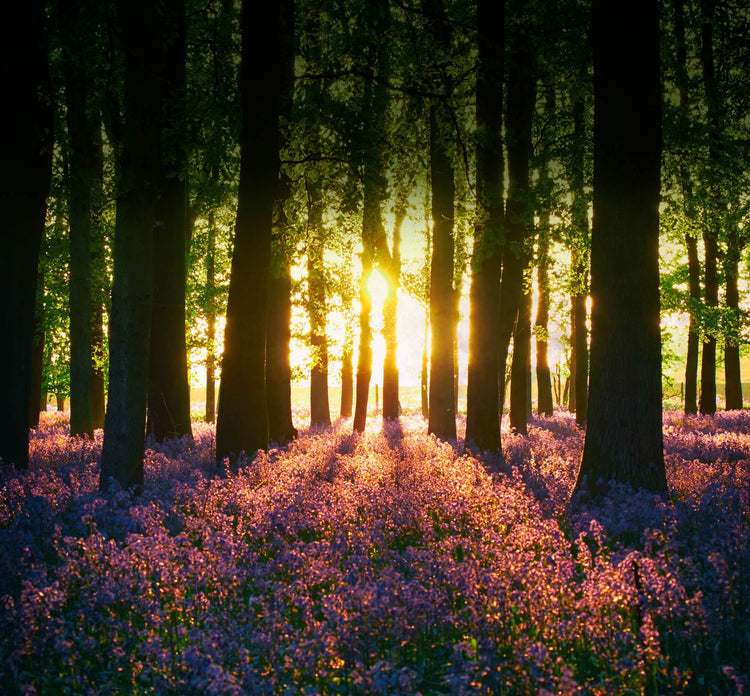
(388, 563)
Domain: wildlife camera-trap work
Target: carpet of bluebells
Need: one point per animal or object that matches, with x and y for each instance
(388, 563)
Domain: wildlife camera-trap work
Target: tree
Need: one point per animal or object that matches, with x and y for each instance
(242, 424)
(442, 418)
(482, 416)
(168, 389)
(624, 431)
(130, 323)
(26, 152)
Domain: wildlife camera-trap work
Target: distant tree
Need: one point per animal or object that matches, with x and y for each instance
(141, 36)
(624, 431)
(26, 152)
(242, 424)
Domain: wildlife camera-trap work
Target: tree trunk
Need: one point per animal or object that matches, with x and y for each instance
(168, 389)
(211, 320)
(37, 355)
(242, 424)
(278, 369)
(130, 322)
(520, 385)
(374, 241)
(347, 379)
(482, 416)
(733, 394)
(545, 405)
(26, 144)
(624, 431)
(319, 404)
(390, 319)
(518, 214)
(580, 217)
(82, 125)
(442, 418)
(424, 373)
(691, 243)
(710, 232)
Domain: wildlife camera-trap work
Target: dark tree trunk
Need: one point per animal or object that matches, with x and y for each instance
(82, 125)
(482, 415)
(693, 344)
(60, 402)
(211, 320)
(130, 322)
(278, 369)
(624, 431)
(390, 320)
(691, 243)
(710, 233)
(242, 424)
(37, 354)
(168, 388)
(580, 216)
(26, 146)
(521, 96)
(545, 405)
(347, 380)
(320, 413)
(570, 393)
(733, 394)
(520, 385)
(442, 418)
(374, 242)
(424, 371)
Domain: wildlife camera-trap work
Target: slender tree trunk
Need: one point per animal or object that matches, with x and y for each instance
(278, 368)
(545, 404)
(482, 416)
(733, 394)
(691, 243)
(693, 344)
(83, 159)
(168, 390)
(242, 424)
(130, 322)
(580, 216)
(624, 430)
(374, 241)
(520, 385)
(211, 320)
(37, 355)
(710, 232)
(390, 320)
(424, 371)
(319, 404)
(26, 144)
(347, 377)
(521, 97)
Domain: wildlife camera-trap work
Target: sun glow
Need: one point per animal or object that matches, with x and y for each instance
(378, 287)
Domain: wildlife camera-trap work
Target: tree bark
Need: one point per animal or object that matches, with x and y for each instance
(710, 233)
(26, 153)
(82, 124)
(442, 418)
(624, 431)
(733, 393)
(482, 415)
(37, 355)
(168, 388)
(521, 97)
(520, 384)
(211, 320)
(242, 424)
(545, 405)
(390, 319)
(130, 322)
